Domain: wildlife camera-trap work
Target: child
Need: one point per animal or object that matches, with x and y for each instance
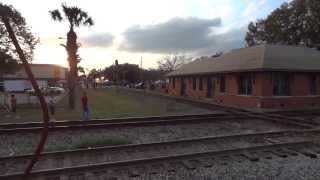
(13, 101)
(51, 105)
(85, 107)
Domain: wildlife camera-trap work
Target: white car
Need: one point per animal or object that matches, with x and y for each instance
(54, 90)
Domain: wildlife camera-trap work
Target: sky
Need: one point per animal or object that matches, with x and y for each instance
(143, 29)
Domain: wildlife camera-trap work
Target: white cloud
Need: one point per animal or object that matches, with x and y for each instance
(253, 6)
(175, 35)
(102, 40)
(116, 16)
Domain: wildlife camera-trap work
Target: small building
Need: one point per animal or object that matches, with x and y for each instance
(45, 74)
(264, 76)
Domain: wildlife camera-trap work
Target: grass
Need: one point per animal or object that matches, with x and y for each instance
(108, 103)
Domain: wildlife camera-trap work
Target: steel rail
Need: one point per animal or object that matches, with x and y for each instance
(166, 159)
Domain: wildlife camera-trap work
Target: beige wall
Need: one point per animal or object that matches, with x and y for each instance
(41, 71)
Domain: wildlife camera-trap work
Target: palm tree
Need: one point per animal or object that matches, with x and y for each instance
(76, 17)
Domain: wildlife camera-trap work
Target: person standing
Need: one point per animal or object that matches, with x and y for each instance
(13, 101)
(51, 106)
(85, 107)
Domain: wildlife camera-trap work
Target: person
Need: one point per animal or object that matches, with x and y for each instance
(13, 101)
(85, 107)
(51, 105)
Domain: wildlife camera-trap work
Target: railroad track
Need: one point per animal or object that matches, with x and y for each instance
(137, 130)
(112, 120)
(153, 120)
(113, 123)
(177, 164)
(307, 117)
(75, 157)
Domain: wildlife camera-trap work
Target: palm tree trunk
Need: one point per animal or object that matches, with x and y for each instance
(39, 94)
(72, 48)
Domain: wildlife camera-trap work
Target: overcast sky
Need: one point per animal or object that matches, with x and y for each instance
(128, 30)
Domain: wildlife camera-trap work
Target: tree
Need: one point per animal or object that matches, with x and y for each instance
(294, 23)
(8, 64)
(172, 62)
(76, 17)
(18, 41)
(93, 75)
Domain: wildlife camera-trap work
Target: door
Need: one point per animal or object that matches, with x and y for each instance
(183, 87)
(209, 87)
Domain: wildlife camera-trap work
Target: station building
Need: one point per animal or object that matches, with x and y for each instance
(45, 75)
(264, 76)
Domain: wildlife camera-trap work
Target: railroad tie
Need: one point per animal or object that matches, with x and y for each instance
(135, 171)
(307, 153)
(251, 156)
(205, 162)
(266, 154)
(53, 178)
(155, 168)
(191, 164)
(170, 167)
(222, 159)
(80, 176)
(240, 158)
(290, 152)
(316, 149)
(112, 178)
(279, 153)
(304, 152)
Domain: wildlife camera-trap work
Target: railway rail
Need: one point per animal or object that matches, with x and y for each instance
(173, 164)
(112, 120)
(153, 120)
(126, 152)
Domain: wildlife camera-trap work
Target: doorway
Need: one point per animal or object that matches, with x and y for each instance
(183, 87)
(210, 87)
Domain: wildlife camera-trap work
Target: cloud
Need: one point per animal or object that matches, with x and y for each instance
(253, 7)
(98, 40)
(175, 35)
(231, 39)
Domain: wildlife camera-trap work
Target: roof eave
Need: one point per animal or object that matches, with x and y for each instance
(247, 70)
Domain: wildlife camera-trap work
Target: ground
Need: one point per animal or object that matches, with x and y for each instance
(107, 103)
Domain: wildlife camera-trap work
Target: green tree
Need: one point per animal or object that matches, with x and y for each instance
(8, 64)
(294, 23)
(75, 17)
(17, 41)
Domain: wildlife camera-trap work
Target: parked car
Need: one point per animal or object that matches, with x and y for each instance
(30, 91)
(53, 90)
(139, 86)
(46, 91)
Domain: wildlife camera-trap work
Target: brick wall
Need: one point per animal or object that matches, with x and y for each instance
(262, 91)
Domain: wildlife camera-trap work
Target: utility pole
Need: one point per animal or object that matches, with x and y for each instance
(141, 70)
(116, 74)
(142, 80)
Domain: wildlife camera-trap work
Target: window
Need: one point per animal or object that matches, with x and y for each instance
(173, 83)
(1, 85)
(312, 85)
(222, 84)
(281, 84)
(245, 85)
(200, 84)
(194, 83)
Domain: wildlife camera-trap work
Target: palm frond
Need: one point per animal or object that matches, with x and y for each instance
(55, 15)
(76, 16)
(89, 22)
